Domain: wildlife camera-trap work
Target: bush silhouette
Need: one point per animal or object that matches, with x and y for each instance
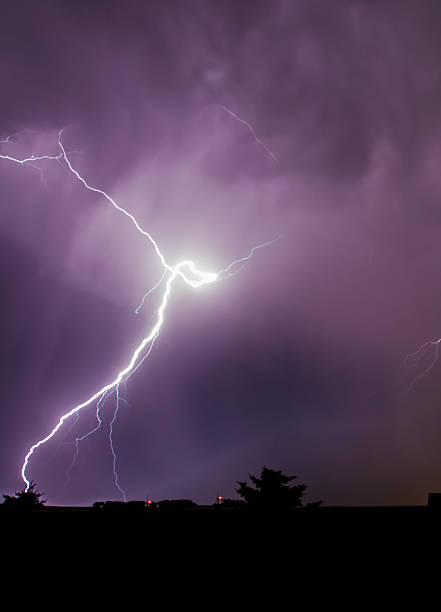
(272, 490)
(25, 499)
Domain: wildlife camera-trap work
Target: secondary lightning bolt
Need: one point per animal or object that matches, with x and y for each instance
(112, 422)
(33, 158)
(181, 270)
(29, 161)
(251, 129)
(413, 359)
(146, 295)
(99, 405)
(11, 137)
(226, 272)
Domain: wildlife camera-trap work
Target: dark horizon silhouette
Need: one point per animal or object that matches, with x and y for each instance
(272, 494)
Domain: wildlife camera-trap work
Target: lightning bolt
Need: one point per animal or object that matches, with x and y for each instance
(251, 129)
(185, 270)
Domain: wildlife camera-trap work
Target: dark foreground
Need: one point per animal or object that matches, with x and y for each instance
(321, 513)
(326, 518)
(318, 543)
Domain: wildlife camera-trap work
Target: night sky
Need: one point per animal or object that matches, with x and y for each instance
(297, 362)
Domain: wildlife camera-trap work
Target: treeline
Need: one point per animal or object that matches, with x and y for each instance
(272, 491)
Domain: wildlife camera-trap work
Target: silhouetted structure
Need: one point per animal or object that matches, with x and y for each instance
(231, 503)
(172, 505)
(120, 506)
(166, 505)
(434, 501)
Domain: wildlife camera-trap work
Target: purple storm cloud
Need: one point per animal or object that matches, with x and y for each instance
(221, 126)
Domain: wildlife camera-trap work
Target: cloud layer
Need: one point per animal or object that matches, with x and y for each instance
(296, 362)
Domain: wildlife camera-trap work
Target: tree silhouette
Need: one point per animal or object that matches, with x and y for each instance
(272, 490)
(24, 500)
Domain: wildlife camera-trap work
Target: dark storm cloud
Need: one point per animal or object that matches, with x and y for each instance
(295, 362)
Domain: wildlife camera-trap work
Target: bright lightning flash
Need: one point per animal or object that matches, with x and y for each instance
(185, 270)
